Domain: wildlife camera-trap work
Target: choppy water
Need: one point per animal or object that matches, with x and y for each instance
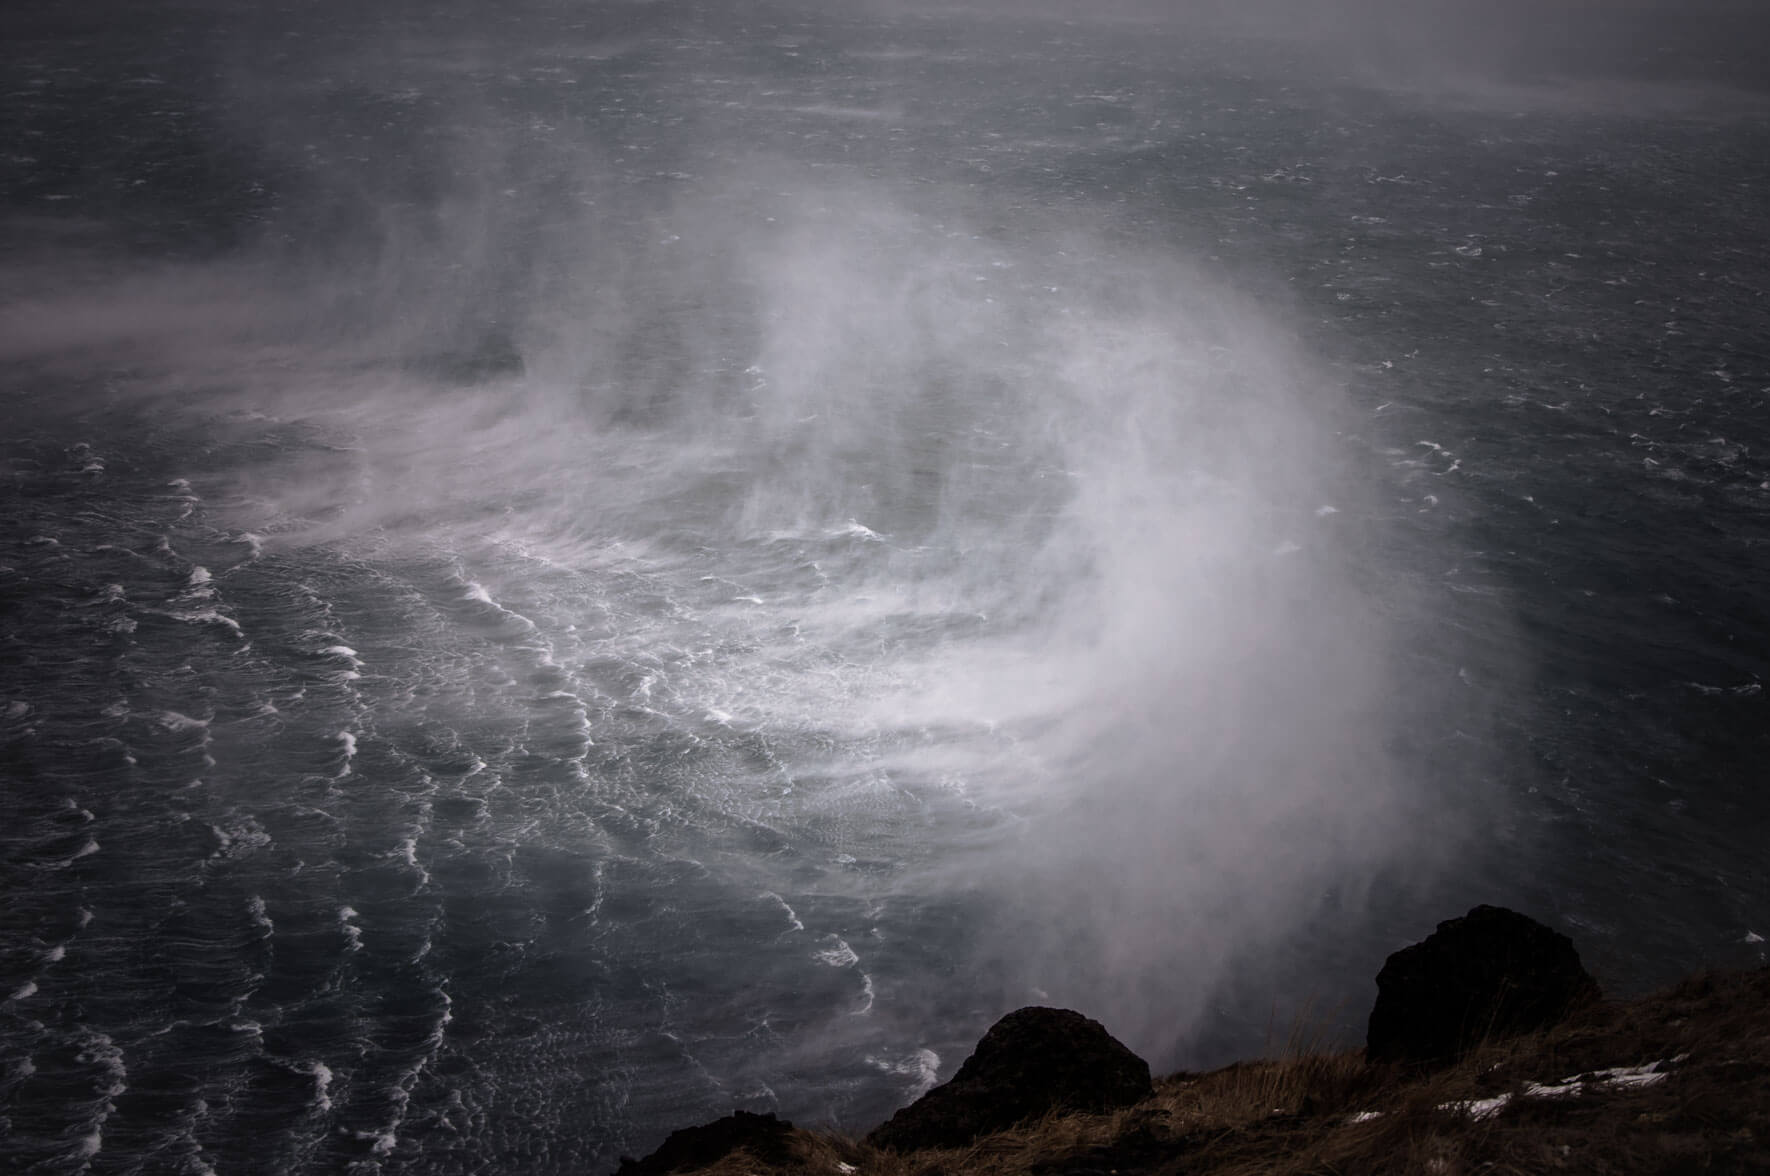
(563, 576)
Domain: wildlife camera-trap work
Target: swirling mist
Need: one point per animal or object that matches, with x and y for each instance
(1106, 570)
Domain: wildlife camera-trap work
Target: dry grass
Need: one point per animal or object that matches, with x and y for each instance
(1295, 1113)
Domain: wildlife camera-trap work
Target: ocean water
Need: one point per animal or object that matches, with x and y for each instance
(567, 573)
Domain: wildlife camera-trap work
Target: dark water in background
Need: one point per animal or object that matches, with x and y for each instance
(566, 575)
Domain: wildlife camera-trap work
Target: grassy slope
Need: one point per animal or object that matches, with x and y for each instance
(1294, 1114)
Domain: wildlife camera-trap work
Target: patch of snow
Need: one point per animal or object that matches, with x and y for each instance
(1648, 1074)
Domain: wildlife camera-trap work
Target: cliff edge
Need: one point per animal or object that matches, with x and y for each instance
(1490, 1050)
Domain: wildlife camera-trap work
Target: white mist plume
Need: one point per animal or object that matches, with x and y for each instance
(1059, 527)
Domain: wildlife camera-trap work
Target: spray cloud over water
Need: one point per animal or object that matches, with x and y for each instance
(986, 549)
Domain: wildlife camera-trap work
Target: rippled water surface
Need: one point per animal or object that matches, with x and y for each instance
(565, 575)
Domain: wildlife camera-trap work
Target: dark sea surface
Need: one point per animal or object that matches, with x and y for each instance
(567, 572)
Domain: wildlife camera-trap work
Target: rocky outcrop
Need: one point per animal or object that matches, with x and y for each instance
(1492, 973)
(1032, 1061)
(762, 1136)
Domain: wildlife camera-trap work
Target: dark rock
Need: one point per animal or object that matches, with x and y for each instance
(1032, 1061)
(1492, 973)
(763, 1136)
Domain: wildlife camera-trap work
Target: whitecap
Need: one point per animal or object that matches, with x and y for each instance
(857, 530)
(837, 955)
(242, 837)
(322, 1084)
(24, 991)
(407, 852)
(476, 591)
(922, 1067)
(352, 932)
(199, 575)
(97, 1049)
(384, 1141)
(209, 616)
(792, 916)
(89, 848)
